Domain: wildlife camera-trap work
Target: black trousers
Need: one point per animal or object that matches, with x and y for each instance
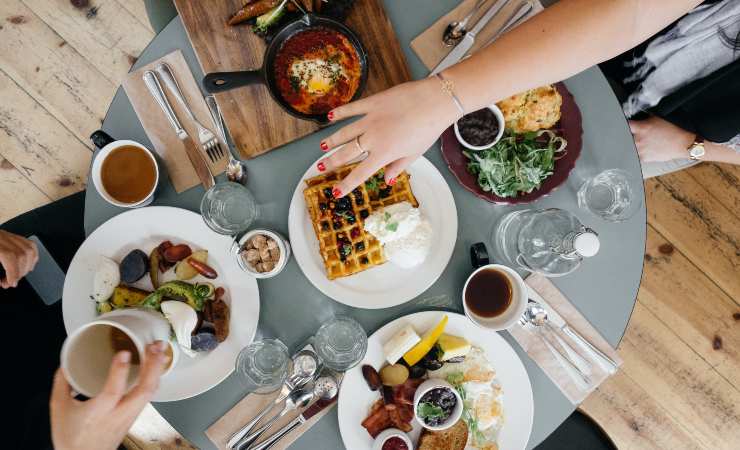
(33, 331)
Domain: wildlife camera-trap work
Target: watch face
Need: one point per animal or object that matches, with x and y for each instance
(697, 151)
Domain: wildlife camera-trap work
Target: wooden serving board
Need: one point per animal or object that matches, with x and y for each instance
(256, 122)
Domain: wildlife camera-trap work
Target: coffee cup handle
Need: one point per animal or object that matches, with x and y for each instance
(479, 255)
(100, 139)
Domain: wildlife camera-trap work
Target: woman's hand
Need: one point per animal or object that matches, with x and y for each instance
(659, 140)
(18, 256)
(399, 124)
(101, 423)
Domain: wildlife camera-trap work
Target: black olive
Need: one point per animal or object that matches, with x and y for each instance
(364, 213)
(417, 371)
(431, 361)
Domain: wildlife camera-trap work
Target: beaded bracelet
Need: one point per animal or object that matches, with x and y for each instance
(448, 88)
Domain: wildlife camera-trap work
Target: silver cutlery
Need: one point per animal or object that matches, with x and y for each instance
(607, 364)
(296, 400)
(455, 31)
(197, 159)
(325, 390)
(305, 367)
(468, 40)
(208, 141)
(236, 170)
(516, 18)
(540, 314)
(537, 322)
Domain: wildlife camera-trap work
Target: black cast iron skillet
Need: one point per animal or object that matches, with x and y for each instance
(223, 81)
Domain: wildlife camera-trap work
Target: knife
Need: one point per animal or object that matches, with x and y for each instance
(196, 157)
(311, 411)
(469, 39)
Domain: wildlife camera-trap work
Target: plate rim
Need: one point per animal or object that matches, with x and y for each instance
(99, 230)
(417, 315)
(296, 214)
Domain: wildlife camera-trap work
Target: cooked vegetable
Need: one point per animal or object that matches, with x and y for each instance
(253, 9)
(154, 268)
(432, 361)
(186, 292)
(269, 19)
(203, 268)
(218, 314)
(516, 163)
(427, 342)
(134, 266)
(177, 253)
(393, 375)
(204, 341)
(164, 265)
(152, 301)
(371, 377)
(205, 290)
(103, 307)
(127, 296)
(185, 271)
(417, 371)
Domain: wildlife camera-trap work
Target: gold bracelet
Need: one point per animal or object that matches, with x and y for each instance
(448, 88)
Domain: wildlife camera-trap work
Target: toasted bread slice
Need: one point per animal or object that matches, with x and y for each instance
(453, 438)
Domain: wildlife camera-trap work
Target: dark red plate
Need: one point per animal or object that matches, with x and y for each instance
(570, 127)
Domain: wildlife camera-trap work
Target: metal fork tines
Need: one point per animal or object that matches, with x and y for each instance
(208, 141)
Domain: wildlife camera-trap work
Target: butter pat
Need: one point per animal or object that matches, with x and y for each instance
(400, 343)
(452, 346)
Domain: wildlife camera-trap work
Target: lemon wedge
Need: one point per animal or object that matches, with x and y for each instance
(426, 343)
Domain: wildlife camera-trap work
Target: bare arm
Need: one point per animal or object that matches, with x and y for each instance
(403, 122)
(563, 40)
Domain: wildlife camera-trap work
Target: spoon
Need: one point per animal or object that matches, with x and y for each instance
(305, 367)
(296, 400)
(236, 170)
(456, 30)
(536, 315)
(325, 389)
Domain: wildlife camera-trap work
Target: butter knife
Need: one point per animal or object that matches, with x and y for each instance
(310, 412)
(469, 39)
(196, 157)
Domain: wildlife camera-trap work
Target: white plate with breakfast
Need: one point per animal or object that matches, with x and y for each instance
(435, 380)
(380, 245)
(167, 261)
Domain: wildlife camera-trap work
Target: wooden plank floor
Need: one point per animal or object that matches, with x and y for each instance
(680, 386)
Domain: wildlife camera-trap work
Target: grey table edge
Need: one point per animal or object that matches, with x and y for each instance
(617, 290)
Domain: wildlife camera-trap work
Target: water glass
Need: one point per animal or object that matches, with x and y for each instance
(612, 195)
(263, 365)
(341, 343)
(228, 208)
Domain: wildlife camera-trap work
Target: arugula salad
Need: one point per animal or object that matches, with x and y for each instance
(517, 163)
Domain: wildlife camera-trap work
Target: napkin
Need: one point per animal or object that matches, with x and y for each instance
(542, 290)
(221, 430)
(429, 47)
(161, 134)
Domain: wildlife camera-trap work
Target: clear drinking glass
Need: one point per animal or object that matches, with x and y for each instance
(612, 195)
(228, 208)
(263, 365)
(341, 343)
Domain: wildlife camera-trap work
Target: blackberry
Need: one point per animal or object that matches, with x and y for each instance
(323, 206)
(360, 246)
(385, 192)
(327, 193)
(337, 225)
(324, 226)
(364, 213)
(344, 204)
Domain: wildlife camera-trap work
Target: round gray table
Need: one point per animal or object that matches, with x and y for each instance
(604, 288)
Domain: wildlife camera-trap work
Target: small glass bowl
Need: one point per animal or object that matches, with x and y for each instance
(283, 246)
(501, 124)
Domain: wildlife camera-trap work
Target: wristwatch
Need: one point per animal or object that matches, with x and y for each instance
(696, 150)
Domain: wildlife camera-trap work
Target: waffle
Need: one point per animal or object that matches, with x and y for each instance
(339, 224)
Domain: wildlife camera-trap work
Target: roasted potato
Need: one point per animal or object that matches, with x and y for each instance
(127, 296)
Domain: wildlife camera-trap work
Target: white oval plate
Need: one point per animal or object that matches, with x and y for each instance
(386, 285)
(145, 228)
(355, 398)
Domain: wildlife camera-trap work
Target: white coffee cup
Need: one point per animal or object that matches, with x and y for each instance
(87, 352)
(97, 167)
(513, 313)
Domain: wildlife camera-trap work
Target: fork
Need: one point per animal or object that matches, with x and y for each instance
(208, 141)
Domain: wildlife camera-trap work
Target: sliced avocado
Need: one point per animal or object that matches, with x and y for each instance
(186, 292)
(152, 300)
(269, 19)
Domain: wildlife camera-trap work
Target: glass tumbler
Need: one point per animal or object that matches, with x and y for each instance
(263, 365)
(228, 208)
(612, 195)
(341, 343)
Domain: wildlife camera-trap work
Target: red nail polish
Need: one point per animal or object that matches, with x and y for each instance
(392, 181)
(330, 116)
(336, 193)
(321, 167)
(324, 146)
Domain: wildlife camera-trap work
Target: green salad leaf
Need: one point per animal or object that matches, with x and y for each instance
(428, 410)
(516, 163)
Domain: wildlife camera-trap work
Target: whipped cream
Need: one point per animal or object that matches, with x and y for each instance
(405, 234)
